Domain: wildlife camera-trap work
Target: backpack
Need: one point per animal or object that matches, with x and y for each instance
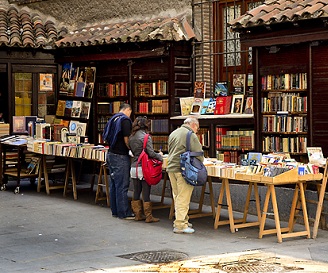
(192, 169)
(151, 167)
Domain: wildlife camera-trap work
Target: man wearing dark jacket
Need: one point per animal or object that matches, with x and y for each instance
(117, 133)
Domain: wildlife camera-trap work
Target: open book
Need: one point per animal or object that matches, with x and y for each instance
(316, 156)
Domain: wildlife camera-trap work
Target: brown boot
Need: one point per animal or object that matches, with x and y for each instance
(137, 210)
(148, 212)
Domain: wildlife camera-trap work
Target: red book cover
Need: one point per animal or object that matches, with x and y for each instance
(223, 105)
(220, 131)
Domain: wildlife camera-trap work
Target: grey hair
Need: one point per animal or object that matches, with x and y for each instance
(191, 120)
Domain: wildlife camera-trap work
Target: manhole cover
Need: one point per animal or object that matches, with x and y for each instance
(157, 256)
(254, 266)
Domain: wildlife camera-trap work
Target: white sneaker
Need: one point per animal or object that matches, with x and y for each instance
(187, 230)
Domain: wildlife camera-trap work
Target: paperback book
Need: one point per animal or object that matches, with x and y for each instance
(221, 89)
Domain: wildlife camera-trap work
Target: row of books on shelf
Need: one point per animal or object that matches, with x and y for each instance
(284, 81)
(105, 108)
(284, 123)
(158, 88)
(86, 150)
(289, 103)
(234, 139)
(160, 142)
(229, 156)
(73, 108)
(203, 135)
(77, 81)
(152, 106)
(159, 125)
(296, 144)
(117, 89)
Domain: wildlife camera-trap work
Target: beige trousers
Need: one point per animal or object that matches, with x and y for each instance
(181, 192)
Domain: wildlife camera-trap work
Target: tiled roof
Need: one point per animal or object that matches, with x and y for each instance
(114, 31)
(280, 11)
(20, 28)
(22, 2)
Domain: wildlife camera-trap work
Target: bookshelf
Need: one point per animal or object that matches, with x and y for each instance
(222, 136)
(152, 86)
(75, 99)
(283, 113)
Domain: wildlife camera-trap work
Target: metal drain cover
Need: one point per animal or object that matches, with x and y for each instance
(156, 256)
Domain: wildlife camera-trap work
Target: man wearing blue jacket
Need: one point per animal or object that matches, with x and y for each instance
(116, 134)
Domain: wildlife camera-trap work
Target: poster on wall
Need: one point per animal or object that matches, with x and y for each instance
(45, 82)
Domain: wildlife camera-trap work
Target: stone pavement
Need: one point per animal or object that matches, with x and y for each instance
(41, 233)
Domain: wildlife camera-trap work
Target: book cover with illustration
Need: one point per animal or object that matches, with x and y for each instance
(76, 109)
(61, 105)
(238, 84)
(196, 106)
(85, 109)
(199, 90)
(211, 107)
(221, 89)
(315, 156)
(204, 106)
(68, 108)
(185, 105)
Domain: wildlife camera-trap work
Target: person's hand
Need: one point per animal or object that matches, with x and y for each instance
(161, 153)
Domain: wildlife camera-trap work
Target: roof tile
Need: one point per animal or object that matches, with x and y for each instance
(20, 28)
(277, 11)
(113, 31)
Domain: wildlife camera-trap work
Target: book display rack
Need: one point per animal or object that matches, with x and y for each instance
(284, 124)
(75, 99)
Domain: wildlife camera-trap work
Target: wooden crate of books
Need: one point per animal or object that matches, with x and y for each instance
(284, 178)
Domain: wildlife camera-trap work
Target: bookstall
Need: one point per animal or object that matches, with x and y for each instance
(285, 175)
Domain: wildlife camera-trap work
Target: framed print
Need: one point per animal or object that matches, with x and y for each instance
(249, 106)
(237, 104)
(45, 82)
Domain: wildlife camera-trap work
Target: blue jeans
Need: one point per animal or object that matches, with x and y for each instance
(119, 173)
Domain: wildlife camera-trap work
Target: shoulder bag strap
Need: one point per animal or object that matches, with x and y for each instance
(188, 146)
(142, 153)
(145, 141)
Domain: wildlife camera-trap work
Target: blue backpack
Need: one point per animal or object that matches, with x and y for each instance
(192, 169)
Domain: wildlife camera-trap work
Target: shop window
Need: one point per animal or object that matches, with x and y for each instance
(23, 94)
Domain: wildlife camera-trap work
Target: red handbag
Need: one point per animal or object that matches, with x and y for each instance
(151, 167)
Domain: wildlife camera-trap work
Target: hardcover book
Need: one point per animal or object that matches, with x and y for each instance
(223, 105)
(199, 90)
